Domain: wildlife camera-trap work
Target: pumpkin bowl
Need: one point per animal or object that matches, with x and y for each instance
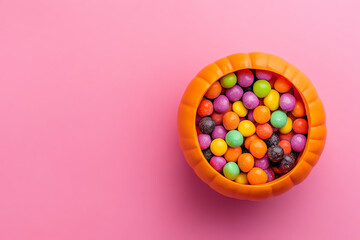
(188, 137)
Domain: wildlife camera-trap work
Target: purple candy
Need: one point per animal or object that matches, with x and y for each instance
(298, 142)
(287, 102)
(250, 100)
(204, 141)
(245, 77)
(219, 132)
(218, 163)
(197, 119)
(263, 74)
(235, 93)
(242, 119)
(262, 163)
(221, 104)
(250, 116)
(270, 173)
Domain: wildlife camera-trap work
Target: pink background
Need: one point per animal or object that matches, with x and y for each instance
(88, 100)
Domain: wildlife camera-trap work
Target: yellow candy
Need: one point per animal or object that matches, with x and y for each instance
(242, 179)
(239, 108)
(272, 100)
(288, 126)
(246, 128)
(218, 147)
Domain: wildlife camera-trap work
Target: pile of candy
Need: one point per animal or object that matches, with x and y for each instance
(252, 126)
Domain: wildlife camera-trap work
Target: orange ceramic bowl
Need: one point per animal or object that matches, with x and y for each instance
(188, 137)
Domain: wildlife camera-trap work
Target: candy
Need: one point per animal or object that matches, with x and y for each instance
(246, 162)
(229, 80)
(245, 78)
(261, 88)
(214, 90)
(231, 121)
(288, 126)
(217, 117)
(258, 148)
(250, 116)
(218, 132)
(278, 119)
(234, 138)
(282, 85)
(264, 131)
(204, 141)
(263, 74)
(257, 176)
(261, 114)
(242, 179)
(221, 104)
(206, 125)
(300, 125)
(232, 154)
(218, 147)
(270, 173)
(299, 109)
(197, 119)
(250, 100)
(298, 142)
(248, 140)
(246, 128)
(239, 108)
(235, 93)
(287, 136)
(218, 163)
(287, 163)
(275, 153)
(272, 100)
(285, 144)
(205, 108)
(231, 170)
(262, 163)
(273, 140)
(208, 154)
(287, 102)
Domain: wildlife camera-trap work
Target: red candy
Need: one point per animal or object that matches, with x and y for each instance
(205, 108)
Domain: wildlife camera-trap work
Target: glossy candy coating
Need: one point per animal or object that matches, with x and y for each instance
(246, 162)
(221, 104)
(282, 85)
(278, 119)
(206, 125)
(232, 154)
(235, 93)
(299, 109)
(270, 173)
(204, 141)
(242, 179)
(239, 108)
(250, 100)
(272, 100)
(214, 90)
(298, 142)
(231, 170)
(246, 128)
(257, 176)
(286, 146)
(218, 147)
(273, 140)
(228, 81)
(300, 125)
(234, 138)
(207, 154)
(287, 163)
(218, 163)
(218, 132)
(264, 131)
(262, 163)
(245, 78)
(261, 88)
(288, 126)
(205, 108)
(287, 102)
(258, 148)
(231, 121)
(217, 117)
(275, 153)
(248, 140)
(263, 74)
(261, 114)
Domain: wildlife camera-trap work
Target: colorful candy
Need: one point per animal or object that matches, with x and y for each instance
(288, 126)
(275, 153)
(285, 144)
(235, 93)
(232, 154)
(278, 119)
(287, 163)
(204, 141)
(218, 147)
(262, 163)
(250, 100)
(234, 138)
(213, 91)
(300, 125)
(231, 170)
(221, 104)
(242, 179)
(245, 78)
(246, 162)
(264, 131)
(231, 121)
(219, 132)
(205, 108)
(298, 142)
(228, 81)
(246, 128)
(282, 85)
(261, 88)
(287, 102)
(218, 163)
(272, 100)
(263, 74)
(261, 114)
(258, 148)
(239, 108)
(206, 125)
(257, 176)
(299, 109)
(208, 154)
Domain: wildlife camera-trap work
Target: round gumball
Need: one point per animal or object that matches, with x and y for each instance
(258, 148)
(282, 85)
(232, 154)
(250, 100)
(272, 100)
(217, 117)
(300, 125)
(261, 114)
(287, 102)
(298, 142)
(234, 138)
(231, 170)
(261, 88)
(257, 176)
(242, 179)
(264, 131)
(239, 108)
(205, 108)
(208, 154)
(245, 77)
(275, 153)
(228, 81)
(286, 146)
(204, 141)
(246, 128)
(218, 132)
(221, 104)
(270, 173)
(218, 163)
(214, 90)
(218, 147)
(231, 121)
(248, 140)
(262, 163)
(287, 163)
(288, 126)
(235, 93)
(263, 74)
(278, 119)
(272, 140)
(246, 162)
(206, 125)
(299, 109)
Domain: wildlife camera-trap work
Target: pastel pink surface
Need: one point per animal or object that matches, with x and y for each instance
(88, 101)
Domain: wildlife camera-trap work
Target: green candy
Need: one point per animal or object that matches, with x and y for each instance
(278, 119)
(234, 138)
(261, 88)
(229, 80)
(231, 170)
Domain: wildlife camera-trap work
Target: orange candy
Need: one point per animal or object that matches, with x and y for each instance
(299, 109)
(264, 131)
(248, 140)
(287, 136)
(300, 125)
(217, 117)
(214, 90)
(229, 109)
(205, 108)
(246, 162)
(258, 148)
(257, 176)
(232, 154)
(261, 114)
(282, 85)
(231, 121)
(286, 145)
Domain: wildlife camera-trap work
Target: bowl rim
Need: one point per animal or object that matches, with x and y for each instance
(188, 137)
